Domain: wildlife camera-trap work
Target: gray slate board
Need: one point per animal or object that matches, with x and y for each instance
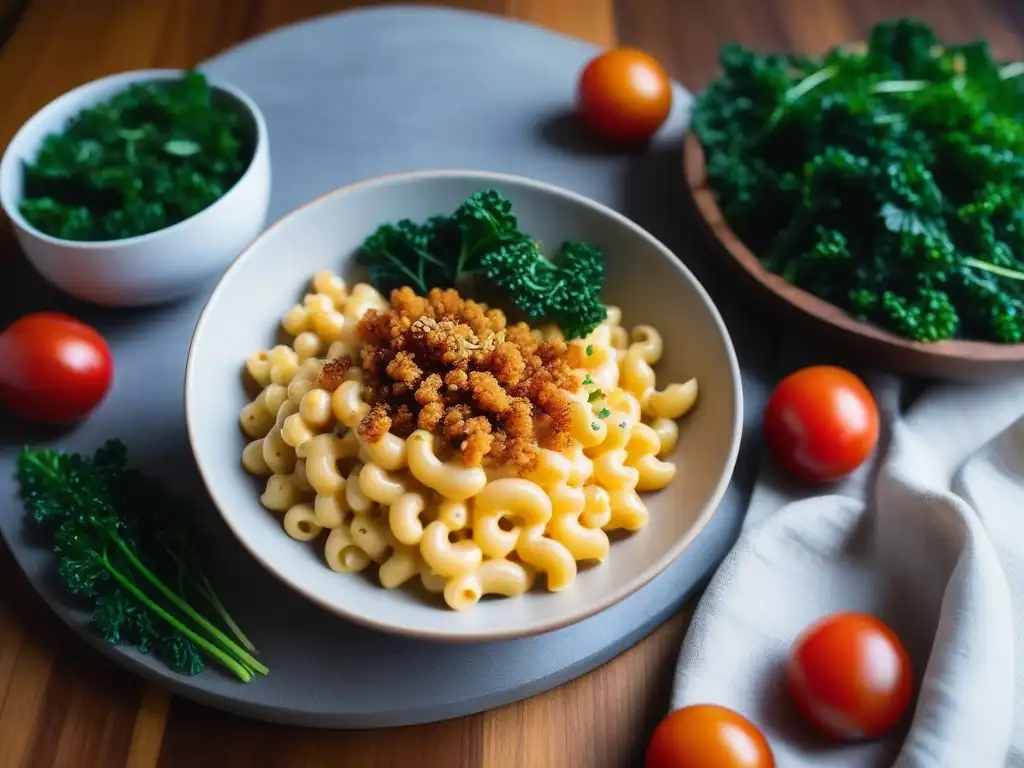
(348, 97)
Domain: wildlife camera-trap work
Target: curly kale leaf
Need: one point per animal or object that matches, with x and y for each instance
(904, 49)
(121, 548)
(929, 315)
(485, 222)
(888, 180)
(121, 620)
(400, 254)
(151, 156)
(565, 289)
(442, 251)
(481, 239)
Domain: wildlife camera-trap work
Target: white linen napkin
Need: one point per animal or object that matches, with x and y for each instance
(937, 552)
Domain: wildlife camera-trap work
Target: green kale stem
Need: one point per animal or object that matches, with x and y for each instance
(549, 266)
(900, 86)
(1011, 274)
(248, 662)
(243, 655)
(221, 611)
(465, 254)
(790, 97)
(194, 573)
(823, 75)
(418, 279)
(1016, 69)
(242, 671)
(809, 83)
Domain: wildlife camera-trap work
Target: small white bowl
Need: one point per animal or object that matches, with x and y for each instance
(158, 266)
(644, 278)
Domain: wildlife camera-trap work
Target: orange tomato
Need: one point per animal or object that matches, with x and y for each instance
(708, 736)
(624, 95)
(850, 676)
(821, 423)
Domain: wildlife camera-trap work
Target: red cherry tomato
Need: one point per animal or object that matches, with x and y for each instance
(707, 736)
(624, 95)
(821, 423)
(54, 369)
(850, 676)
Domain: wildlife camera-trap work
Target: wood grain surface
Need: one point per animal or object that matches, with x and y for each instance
(63, 705)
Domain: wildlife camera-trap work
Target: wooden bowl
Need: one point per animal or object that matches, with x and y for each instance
(954, 359)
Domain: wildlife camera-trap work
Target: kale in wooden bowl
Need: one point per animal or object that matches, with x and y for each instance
(886, 179)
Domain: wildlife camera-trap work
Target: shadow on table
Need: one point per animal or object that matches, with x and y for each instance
(563, 130)
(23, 290)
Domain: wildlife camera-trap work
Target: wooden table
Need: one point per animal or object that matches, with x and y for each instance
(62, 704)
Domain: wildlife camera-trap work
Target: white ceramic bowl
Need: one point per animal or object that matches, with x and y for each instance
(649, 283)
(156, 267)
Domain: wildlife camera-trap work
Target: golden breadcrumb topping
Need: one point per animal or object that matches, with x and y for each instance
(447, 365)
(332, 373)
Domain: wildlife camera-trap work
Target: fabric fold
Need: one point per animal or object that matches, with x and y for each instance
(936, 551)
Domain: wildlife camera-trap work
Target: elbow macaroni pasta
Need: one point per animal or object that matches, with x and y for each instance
(460, 532)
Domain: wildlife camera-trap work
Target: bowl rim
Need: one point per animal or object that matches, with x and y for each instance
(969, 351)
(9, 163)
(612, 597)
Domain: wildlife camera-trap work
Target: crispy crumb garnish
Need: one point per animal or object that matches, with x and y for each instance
(376, 423)
(332, 373)
(442, 363)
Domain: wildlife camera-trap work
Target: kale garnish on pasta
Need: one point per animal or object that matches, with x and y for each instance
(481, 240)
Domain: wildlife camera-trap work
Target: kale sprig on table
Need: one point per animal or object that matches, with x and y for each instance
(123, 549)
(481, 242)
(886, 179)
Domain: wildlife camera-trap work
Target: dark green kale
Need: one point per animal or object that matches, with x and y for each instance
(401, 254)
(896, 172)
(481, 243)
(565, 290)
(122, 549)
(443, 251)
(152, 156)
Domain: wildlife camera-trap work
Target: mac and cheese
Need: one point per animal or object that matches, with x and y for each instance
(428, 438)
